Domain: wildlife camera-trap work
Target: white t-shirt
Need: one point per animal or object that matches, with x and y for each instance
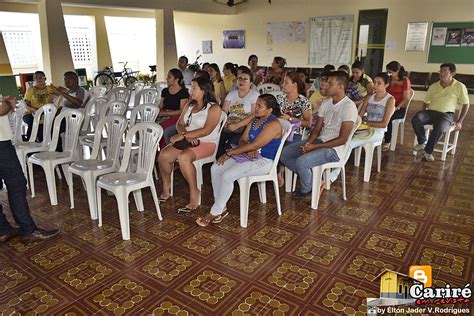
(240, 108)
(333, 116)
(5, 130)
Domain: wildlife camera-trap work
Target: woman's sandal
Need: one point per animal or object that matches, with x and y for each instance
(163, 200)
(219, 218)
(205, 220)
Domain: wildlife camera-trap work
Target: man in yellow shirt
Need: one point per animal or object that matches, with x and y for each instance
(441, 101)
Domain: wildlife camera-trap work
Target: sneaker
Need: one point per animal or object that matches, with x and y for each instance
(428, 157)
(419, 146)
(300, 195)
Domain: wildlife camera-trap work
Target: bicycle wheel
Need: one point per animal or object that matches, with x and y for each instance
(104, 80)
(130, 82)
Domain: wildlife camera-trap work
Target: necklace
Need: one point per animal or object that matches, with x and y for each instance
(261, 124)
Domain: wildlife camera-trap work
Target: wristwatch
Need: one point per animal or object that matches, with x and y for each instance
(183, 134)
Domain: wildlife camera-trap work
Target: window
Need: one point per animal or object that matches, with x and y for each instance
(82, 42)
(22, 40)
(132, 40)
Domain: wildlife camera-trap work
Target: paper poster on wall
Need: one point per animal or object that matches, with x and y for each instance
(468, 37)
(453, 37)
(416, 36)
(207, 47)
(439, 36)
(286, 32)
(330, 39)
(234, 39)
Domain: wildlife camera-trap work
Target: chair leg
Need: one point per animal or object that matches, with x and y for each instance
(89, 182)
(58, 172)
(317, 175)
(262, 192)
(455, 142)
(171, 181)
(402, 132)
(244, 201)
(295, 180)
(137, 195)
(357, 154)
(51, 182)
(23, 163)
(369, 153)
(155, 200)
(444, 153)
(343, 171)
(277, 196)
(31, 181)
(393, 143)
(99, 205)
(155, 172)
(64, 168)
(122, 202)
(288, 180)
(379, 158)
(71, 188)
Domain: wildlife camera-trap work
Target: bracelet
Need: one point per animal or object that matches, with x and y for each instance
(227, 153)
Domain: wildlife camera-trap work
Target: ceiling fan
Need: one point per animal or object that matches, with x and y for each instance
(230, 3)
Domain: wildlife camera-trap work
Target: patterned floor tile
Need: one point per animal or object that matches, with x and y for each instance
(318, 252)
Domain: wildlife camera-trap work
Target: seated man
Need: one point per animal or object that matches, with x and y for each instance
(74, 95)
(337, 116)
(442, 97)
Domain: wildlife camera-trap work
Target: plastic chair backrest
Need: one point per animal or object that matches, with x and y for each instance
(268, 87)
(17, 118)
(149, 135)
(147, 113)
(115, 126)
(146, 96)
(409, 102)
(285, 132)
(276, 93)
(95, 110)
(73, 118)
(354, 128)
(48, 111)
(98, 91)
(114, 108)
(120, 94)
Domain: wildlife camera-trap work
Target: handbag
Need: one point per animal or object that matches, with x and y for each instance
(184, 144)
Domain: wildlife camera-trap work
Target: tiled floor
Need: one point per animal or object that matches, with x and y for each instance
(320, 262)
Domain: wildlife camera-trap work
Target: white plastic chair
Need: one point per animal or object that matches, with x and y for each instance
(25, 148)
(399, 124)
(89, 170)
(198, 164)
(318, 171)
(120, 94)
(146, 96)
(160, 85)
(246, 182)
(124, 181)
(268, 87)
(444, 140)
(16, 118)
(369, 154)
(98, 91)
(48, 160)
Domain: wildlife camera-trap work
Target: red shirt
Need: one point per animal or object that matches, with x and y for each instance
(396, 90)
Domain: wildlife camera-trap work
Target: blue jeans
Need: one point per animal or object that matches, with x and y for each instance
(441, 122)
(12, 175)
(300, 163)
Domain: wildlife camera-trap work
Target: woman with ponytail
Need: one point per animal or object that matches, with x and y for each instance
(400, 89)
(173, 100)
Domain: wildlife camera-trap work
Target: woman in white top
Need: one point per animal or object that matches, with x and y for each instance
(238, 105)
(198, 126)
(379, 108)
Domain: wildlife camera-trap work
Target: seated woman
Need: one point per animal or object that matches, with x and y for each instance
(352, 90)
(260, 142)
(276, 74)
(173, 100)
(238, 105)
(379, 108)
(400, 89)
(198, 126)
(218, 83)
(35, 97)
(305, 78)
(230, 76)
(363, 81)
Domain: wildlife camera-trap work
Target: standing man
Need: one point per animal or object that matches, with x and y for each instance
(337, 116)
(442, 98)
(188, 74)
(12, 174)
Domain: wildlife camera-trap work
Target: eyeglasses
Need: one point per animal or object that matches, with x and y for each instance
(243, 79)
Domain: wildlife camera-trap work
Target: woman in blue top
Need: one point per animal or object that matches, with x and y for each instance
(254, 156)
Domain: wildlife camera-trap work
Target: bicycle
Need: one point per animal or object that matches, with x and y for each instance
(107, 77)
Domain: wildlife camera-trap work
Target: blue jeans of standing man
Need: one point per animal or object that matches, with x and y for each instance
(12, 175)
(441, 122)
(300, 163)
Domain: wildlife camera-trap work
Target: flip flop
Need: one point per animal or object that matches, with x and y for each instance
(204, 223)
(219, 218)
(162, 200)
(186, 210)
